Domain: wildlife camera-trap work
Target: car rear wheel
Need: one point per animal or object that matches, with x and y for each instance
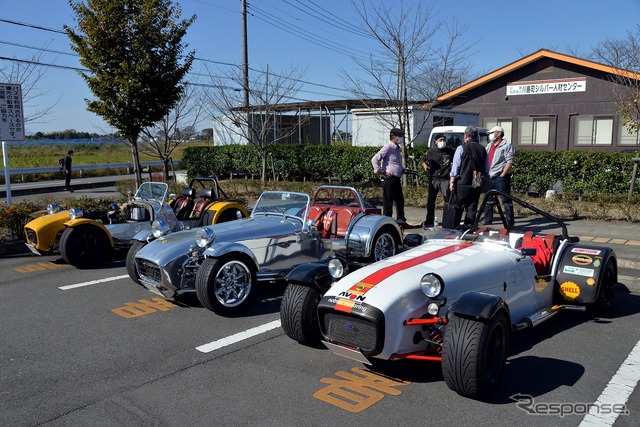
(474, 354)
(608, 282)
(384, 245)
(131, 261)
(225, 285)
(298, 314)
(84, 246)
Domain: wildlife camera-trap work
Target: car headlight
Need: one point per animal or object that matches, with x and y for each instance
(159, 228)
(75, 213)
(336, 269)
(52, 208)
(204, 237)
(431, 285)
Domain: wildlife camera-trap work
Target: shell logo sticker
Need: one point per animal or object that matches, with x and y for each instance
(582, 259)
(569, 290)
(591, 281)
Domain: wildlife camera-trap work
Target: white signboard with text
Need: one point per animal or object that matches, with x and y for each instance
(11, 113)
(541, 87)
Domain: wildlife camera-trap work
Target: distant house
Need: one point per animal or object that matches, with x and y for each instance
(548, 101)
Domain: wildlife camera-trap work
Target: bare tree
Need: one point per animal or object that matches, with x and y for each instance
(409, 68)
(163, 137)
(261, 124)
(29, 74)
(624, 55)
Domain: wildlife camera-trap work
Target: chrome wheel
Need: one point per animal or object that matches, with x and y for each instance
(384, 247)
(232, 283)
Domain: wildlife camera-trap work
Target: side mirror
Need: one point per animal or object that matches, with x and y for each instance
(413, 240)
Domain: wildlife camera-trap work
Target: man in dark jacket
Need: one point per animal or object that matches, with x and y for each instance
(470, 158)
(67, 171)
(436, 162)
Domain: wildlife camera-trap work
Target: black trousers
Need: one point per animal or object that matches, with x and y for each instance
(392, 193)
(67, 181)
(467, 197)
(434, 187)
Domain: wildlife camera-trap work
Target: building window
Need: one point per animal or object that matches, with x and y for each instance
(533, 131)
(592, 130)
(627, 138)
(505, 124)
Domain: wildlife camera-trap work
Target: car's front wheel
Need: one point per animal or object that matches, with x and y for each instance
(474, 354)
(225, 285)
(384, 245)
(299, 314)
(131, 261)
(84, 246)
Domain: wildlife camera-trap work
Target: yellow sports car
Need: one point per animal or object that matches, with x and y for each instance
(88, 239)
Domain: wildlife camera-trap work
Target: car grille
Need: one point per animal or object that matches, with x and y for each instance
(32, 236)
(350, 330)
(149, 272)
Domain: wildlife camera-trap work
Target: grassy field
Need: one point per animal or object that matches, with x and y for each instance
(30, 156)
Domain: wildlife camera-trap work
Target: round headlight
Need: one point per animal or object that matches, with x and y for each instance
(336, 269)
(159, 228)
(433, 309)
(52, 208)
(431, 285)
(75, 213)
(204, 237)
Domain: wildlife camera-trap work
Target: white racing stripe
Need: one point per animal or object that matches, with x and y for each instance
(617, 392)
(240, 336)
(93, 282)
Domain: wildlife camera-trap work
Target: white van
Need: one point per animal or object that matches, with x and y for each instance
(455, 135)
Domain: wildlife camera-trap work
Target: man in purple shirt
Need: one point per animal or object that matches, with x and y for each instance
(388, 163)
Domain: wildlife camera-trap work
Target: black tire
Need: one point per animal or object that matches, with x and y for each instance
(84, 246)
(225, 285)
(606, 287)
(299, 314)
(131, 261)
(384, 245)
(474, 354)
(230, 214)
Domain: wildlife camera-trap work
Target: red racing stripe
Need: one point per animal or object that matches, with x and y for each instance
(370, 281)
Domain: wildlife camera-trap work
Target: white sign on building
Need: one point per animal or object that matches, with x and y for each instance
(11, 113)
(540, 87)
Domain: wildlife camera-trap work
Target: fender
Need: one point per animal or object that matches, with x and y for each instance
(479, 304)
(311, 274)
(224, 248)
(580, 272)
(92, 222)
(221, 207)
(145, 236)
(363, 229)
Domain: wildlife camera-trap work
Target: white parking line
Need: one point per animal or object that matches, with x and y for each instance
(93, 282)
(232, 339)
(617, 392)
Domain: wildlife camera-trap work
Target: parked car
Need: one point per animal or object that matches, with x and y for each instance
(455, 299)
(224, 263)
(86, 239)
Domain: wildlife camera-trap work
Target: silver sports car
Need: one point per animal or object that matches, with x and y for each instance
(223, 263)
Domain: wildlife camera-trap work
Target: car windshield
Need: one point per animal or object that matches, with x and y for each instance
(282, 202)
(152, 191)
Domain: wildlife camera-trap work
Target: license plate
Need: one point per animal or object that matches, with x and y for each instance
(347, 352)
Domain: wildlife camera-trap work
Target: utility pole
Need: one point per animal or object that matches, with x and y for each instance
(245, 56)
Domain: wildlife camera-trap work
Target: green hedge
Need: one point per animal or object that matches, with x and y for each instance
(581, 172)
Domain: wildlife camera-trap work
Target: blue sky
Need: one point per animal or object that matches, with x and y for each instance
(286, 33)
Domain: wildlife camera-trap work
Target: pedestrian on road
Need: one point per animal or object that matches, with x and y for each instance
(501, 157)
(388, 164)
(469, 160)
(436, 162)
(67, 171)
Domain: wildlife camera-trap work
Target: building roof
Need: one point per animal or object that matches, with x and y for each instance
(338, 104)
(540, 54)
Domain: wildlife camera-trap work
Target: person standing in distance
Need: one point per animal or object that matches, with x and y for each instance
(501, 157)
(436, 162)
(469, 157)
(388, 164)
(67, 171)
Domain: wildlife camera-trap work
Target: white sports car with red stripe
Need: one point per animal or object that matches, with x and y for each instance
(454, 299)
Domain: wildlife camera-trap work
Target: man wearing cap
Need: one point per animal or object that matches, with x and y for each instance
(436, 162)
(388, 164)
(500, 156)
